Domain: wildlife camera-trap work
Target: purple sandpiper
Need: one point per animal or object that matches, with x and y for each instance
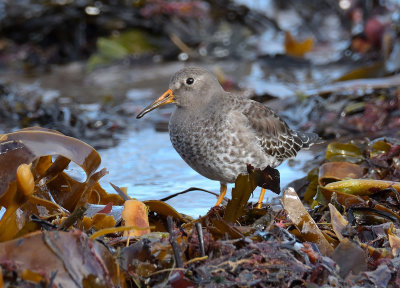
(218, 133)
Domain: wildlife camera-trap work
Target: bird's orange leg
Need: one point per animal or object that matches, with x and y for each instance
(221, 194)
(260, 199)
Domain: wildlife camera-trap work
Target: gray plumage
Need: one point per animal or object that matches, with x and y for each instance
(218, 133)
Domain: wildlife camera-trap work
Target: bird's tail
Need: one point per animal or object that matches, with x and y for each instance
(307, 139)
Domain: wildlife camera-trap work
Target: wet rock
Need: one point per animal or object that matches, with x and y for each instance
(30, 105)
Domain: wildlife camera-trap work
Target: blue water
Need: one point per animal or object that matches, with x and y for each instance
(148, 165)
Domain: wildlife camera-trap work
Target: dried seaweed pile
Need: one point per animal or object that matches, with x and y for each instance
(350, 108)
(56, 230)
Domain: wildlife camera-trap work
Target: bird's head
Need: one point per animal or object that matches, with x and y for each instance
(190, 87)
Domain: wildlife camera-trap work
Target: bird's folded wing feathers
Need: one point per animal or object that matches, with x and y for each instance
(274, 135)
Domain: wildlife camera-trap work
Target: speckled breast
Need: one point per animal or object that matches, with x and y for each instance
(214, 149)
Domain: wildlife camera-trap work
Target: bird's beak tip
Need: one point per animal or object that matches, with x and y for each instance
(167, 97)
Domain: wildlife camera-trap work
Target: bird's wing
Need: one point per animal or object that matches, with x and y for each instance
(273, 134)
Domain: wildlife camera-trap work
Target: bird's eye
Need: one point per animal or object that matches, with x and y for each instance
(189, 81)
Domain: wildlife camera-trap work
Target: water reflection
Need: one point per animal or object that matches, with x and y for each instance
(148, 165)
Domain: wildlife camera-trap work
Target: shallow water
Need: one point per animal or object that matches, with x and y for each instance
(144, 160)
(148, 165)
